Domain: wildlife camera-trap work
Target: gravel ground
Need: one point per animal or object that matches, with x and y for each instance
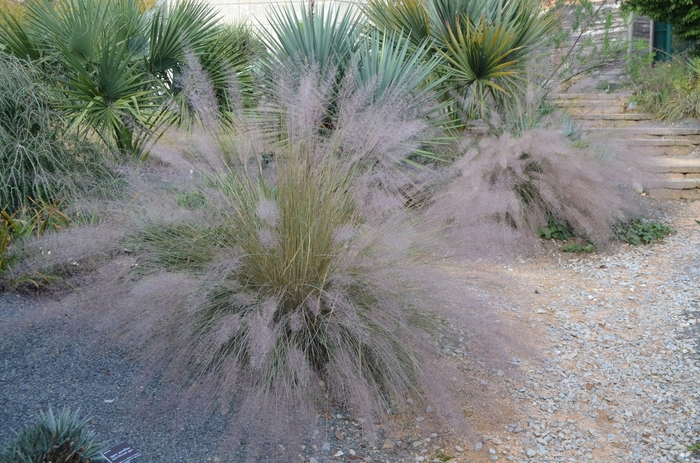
(614, 377)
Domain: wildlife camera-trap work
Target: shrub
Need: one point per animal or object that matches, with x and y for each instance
(683, 15)
(331, 41)
(58, 439)
(670, 90)
(510, 191)
(43, 172)
(33, 156)
(307, 291)
(26, 222)
(640, 230)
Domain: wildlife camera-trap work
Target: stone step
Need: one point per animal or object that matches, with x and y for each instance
(663, 152)
(588, 101)
(569, 97)
(677, 189)
(606, 109)
(673, 165)
(657, 142)
(651, 147)
(650, 132)
(663, 176)
(616, 117)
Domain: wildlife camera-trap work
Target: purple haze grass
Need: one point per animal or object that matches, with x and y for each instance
(504, 191)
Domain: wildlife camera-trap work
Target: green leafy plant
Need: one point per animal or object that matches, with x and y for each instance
(28, 221)
(578, 248)
(61, 438)
(683, 15)
(34, 158)
(670, 90)
(325, 36)
(640, 231)
(555, 229)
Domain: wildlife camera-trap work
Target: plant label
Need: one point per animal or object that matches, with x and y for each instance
(121, 453)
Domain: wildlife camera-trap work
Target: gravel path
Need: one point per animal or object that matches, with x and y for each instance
(620, 380)
(612, 376)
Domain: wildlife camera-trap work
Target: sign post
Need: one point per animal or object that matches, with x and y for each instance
(121, 453)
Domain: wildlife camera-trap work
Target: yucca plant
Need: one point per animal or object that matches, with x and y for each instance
(483, 44)
(116, 65)
(61, 438)
(324, 36)
(347, 56)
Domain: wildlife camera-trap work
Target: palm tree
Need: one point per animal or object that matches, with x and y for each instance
(117, 66)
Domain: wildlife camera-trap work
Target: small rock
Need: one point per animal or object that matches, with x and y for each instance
(326, 446)
(313, 460)
(458, 448)
(531, 453)
(478, 446)
(339, 453)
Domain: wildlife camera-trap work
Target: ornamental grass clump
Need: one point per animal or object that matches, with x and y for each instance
(305, 287)
(510, 191)
(33, 155)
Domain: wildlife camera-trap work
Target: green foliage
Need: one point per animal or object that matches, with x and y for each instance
(641, 231)
(32, 153)
(27, 221)
(578, 248)
(191, 199)
(670, 90)
(62, 438)
(38, 162)
(555, 229)
(482, 45)
(331, 41)
(683, 15)
(117, 67)
(324, 36)
(180, 246)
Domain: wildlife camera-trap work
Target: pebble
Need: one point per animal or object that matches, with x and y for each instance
(628, 368)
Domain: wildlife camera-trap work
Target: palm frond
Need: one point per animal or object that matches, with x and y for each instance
(326, 36)
(408, 17)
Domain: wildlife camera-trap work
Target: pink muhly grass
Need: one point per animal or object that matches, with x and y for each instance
(289, 293)
(509, 187)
